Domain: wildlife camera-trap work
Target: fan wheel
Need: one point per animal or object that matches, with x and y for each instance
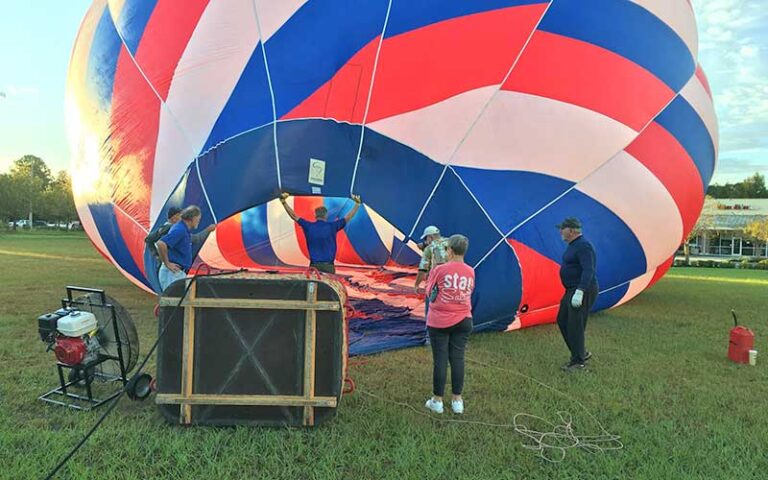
(139, 387)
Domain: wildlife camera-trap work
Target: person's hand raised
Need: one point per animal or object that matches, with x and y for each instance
(356, 198)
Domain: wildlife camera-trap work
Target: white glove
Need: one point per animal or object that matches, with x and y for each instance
(577, 299)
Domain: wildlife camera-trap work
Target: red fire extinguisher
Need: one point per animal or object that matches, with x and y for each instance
(741, 341)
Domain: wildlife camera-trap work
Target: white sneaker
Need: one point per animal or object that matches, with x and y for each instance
(457, 406)
(434, 405)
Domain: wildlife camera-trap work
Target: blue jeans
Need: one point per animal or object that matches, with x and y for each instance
(167, 277)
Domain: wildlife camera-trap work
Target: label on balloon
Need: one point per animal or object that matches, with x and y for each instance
(316, 171)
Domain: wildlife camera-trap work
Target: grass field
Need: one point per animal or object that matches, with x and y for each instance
(659, 379)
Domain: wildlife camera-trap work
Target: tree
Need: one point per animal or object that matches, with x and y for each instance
(58, 203)
(30, 176)
(23, 189)
(752, 187)
(14, 196)
(5, 195)
(32, 167)
(758, 230)
(12, 200)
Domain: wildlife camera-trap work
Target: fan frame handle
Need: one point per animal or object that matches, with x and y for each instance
(71, 289)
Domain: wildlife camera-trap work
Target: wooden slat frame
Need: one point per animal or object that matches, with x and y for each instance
(252, 304)
(188, 357)
(310, 336)
(255, 400)
(308, 400)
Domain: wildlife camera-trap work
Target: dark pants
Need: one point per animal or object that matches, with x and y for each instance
(573, 321)
(448, 346)
(324, 267)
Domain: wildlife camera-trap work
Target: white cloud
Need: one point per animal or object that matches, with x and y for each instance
(733, 52)
(12, 91)
(16, 91)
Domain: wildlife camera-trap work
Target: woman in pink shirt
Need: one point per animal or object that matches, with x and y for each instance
(449, 322)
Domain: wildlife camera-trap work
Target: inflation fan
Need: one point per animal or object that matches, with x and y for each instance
(94, 339)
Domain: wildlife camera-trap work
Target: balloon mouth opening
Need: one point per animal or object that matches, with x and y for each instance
(380, 289)
(264, 237)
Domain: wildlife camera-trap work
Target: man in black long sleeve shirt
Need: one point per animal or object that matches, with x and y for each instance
(577, 273)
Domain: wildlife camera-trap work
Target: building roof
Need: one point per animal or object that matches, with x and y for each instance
(734, 213)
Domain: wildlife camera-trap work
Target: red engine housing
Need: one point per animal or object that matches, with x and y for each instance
(70, 350)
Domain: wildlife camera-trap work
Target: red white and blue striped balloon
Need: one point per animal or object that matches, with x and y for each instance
(495, 119)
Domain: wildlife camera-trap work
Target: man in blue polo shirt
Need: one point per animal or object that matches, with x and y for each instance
(321, 234)
(577, 274)
(175, 247)
(174, 216)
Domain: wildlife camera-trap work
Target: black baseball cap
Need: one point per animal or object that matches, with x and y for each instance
(570, 222)
(173, 211)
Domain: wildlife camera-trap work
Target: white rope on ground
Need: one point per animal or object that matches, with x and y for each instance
(552, 442)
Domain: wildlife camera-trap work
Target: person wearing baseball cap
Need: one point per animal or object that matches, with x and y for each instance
(435, 253)
(577, 274)
(174, 215)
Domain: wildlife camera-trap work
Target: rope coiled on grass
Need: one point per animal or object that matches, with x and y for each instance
(550, 440)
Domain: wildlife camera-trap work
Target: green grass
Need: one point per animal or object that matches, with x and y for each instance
(720, 273)
(659, 379)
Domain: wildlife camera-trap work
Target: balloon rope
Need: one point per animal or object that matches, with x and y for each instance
(551, 444)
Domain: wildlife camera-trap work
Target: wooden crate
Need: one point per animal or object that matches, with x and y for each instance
(254, 349)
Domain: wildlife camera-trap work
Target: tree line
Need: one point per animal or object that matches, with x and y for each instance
(30, 191)
(752, 187)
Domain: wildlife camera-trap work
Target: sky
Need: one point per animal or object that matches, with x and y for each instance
(36, 38)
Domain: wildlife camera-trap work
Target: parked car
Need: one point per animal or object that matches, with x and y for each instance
(75, 225)
(58, 225)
